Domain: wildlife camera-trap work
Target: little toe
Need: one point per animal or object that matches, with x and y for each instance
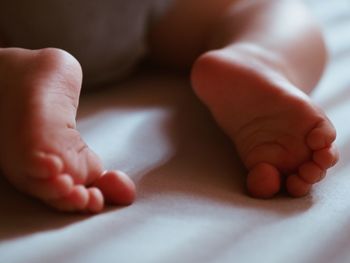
(311, 173)
(321, 136)
(326, 157)
(296, 186)
(263, 181)
(76, 200)
(96, 200)
(116, 187)
(51, 188)
(43, 165)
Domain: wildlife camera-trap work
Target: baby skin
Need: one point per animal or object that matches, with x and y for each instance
(254, 79)
(280, 136)
(254, 72)
(42, 153)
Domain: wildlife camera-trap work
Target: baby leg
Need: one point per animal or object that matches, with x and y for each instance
(42, 153)
(255, 79)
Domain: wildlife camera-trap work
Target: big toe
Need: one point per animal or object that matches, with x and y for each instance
(116, 187)
(263, 181)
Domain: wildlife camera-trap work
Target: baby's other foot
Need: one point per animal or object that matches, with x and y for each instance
(279, 134)
(42, 153)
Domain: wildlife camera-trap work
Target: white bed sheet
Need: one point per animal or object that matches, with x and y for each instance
(191, 206)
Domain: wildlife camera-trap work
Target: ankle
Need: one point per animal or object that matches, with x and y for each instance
(259, 55)
(247, 56)
(275, 61)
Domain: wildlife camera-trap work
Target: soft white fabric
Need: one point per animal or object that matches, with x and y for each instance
(191, 206)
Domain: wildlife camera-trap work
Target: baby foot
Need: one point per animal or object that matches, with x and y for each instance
(41, 152)
(279, 134)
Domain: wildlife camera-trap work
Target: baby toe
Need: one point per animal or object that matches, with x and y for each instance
(43, 165)
(326, 158)
(321, 136)
(116, 187)
(311, 173)
(51, 188)
(76, 200)
(96, 200)
(296, 186)
(263, 181)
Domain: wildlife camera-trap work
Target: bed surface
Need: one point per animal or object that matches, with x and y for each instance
(191, 205)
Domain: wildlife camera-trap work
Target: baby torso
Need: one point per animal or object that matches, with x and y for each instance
(107, 36)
